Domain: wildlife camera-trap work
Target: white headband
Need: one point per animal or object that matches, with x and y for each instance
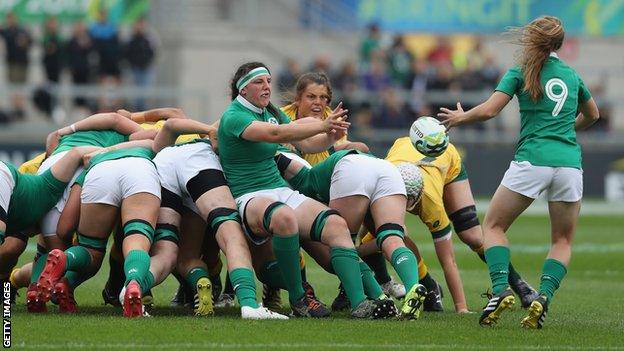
(256, 72)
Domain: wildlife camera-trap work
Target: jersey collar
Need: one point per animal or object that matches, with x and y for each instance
(554, 54)
(248, 104)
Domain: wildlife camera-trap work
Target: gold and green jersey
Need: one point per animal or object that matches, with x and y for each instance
(547, 134)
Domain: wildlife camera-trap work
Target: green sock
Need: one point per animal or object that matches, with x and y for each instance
(286, 249)
(136, 266)
(194, 275)
(38, 268)
(271, 275)
(76, 278)
(372, 289)
(244, 286)
(346, 265)
(78, 258)
(552, 275)
(404, 262)
(497, 258)
(377, 263)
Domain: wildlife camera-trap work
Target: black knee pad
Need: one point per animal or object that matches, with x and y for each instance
(19, 235)
(319, 223)
(219, 215)
(464, 218)
(205, 181)
(282, 163)
(3, 215)
(165, 231)
(387, 230)
(268, 214)
(171, 200)
(41, 250)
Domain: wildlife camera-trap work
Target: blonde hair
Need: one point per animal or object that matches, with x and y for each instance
(538, 39)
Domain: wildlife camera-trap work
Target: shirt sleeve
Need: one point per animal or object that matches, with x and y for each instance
(235, 124)
(583, 93)
(283, 118)
(511, 82)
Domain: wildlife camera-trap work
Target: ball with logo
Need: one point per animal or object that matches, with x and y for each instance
(429, 136)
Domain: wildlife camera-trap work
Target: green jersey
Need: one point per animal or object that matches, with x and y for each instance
(32, 197)
(115, 155)
(315, 182)
(102, 138)
(248, 165)
(547, 134)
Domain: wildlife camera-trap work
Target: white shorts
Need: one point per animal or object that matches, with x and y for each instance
(47, 164)
(560, 183)
(293, 156)
(364, 175)
(112, 181)
(177, 165)
(291, 198)
(7, 183)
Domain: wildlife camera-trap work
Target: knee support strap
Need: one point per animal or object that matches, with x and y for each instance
(465, 218)
(268, 214)
(3, 215)
(139, 226)
(165, 231)
(282, 163)
(319, 223)
(205, 181)
(97, 244)
(220, 215)
(171, 200)
(387, 230)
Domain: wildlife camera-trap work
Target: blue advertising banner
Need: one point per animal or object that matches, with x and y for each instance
(580, 17)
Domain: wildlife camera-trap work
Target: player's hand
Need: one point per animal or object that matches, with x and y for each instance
(52, 142)
(335, 122)
(125, 113)
(86, 158)
(214, 140)
(452, 117)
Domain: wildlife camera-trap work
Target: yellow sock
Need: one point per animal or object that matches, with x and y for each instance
(479, 250)
(12, 276)
(422, 269)
(368, 237)
(301, 260)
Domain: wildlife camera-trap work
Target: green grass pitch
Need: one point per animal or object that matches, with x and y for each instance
(586, 314)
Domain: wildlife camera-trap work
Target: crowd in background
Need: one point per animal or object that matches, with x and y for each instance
(92, 54)
(389, 86)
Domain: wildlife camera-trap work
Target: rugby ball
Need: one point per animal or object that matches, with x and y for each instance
(429, 136)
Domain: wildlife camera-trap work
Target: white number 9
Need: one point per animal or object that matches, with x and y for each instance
(558, 98)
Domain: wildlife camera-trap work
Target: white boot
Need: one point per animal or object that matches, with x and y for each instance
(260, 313)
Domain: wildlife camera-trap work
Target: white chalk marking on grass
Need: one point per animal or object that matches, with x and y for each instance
(307, 345)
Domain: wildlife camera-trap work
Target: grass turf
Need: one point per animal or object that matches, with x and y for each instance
(585, 314)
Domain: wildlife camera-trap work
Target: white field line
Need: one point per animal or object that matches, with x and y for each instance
(303, 345)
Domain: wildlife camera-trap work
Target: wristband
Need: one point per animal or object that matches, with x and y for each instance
(73, 127)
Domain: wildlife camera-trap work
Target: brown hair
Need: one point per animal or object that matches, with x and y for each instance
(241, 71)
(309, 78)
(539, 38)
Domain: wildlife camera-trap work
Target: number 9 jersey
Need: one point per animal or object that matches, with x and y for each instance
(547, 134)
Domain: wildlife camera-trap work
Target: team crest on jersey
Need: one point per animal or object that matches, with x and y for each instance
(272, 120)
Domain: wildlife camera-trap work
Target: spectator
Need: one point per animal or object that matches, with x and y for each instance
(140, 51)
(442, 53)
(392, 113)
(321, 64)
(347, 82)
(288, 76)
(79, 49)
(376, 79)
(490, 72)
(441, 86)
(400, 63)
(52, 51)
(369, 45)
(419, 78)
(106, 43)
(17, 42)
